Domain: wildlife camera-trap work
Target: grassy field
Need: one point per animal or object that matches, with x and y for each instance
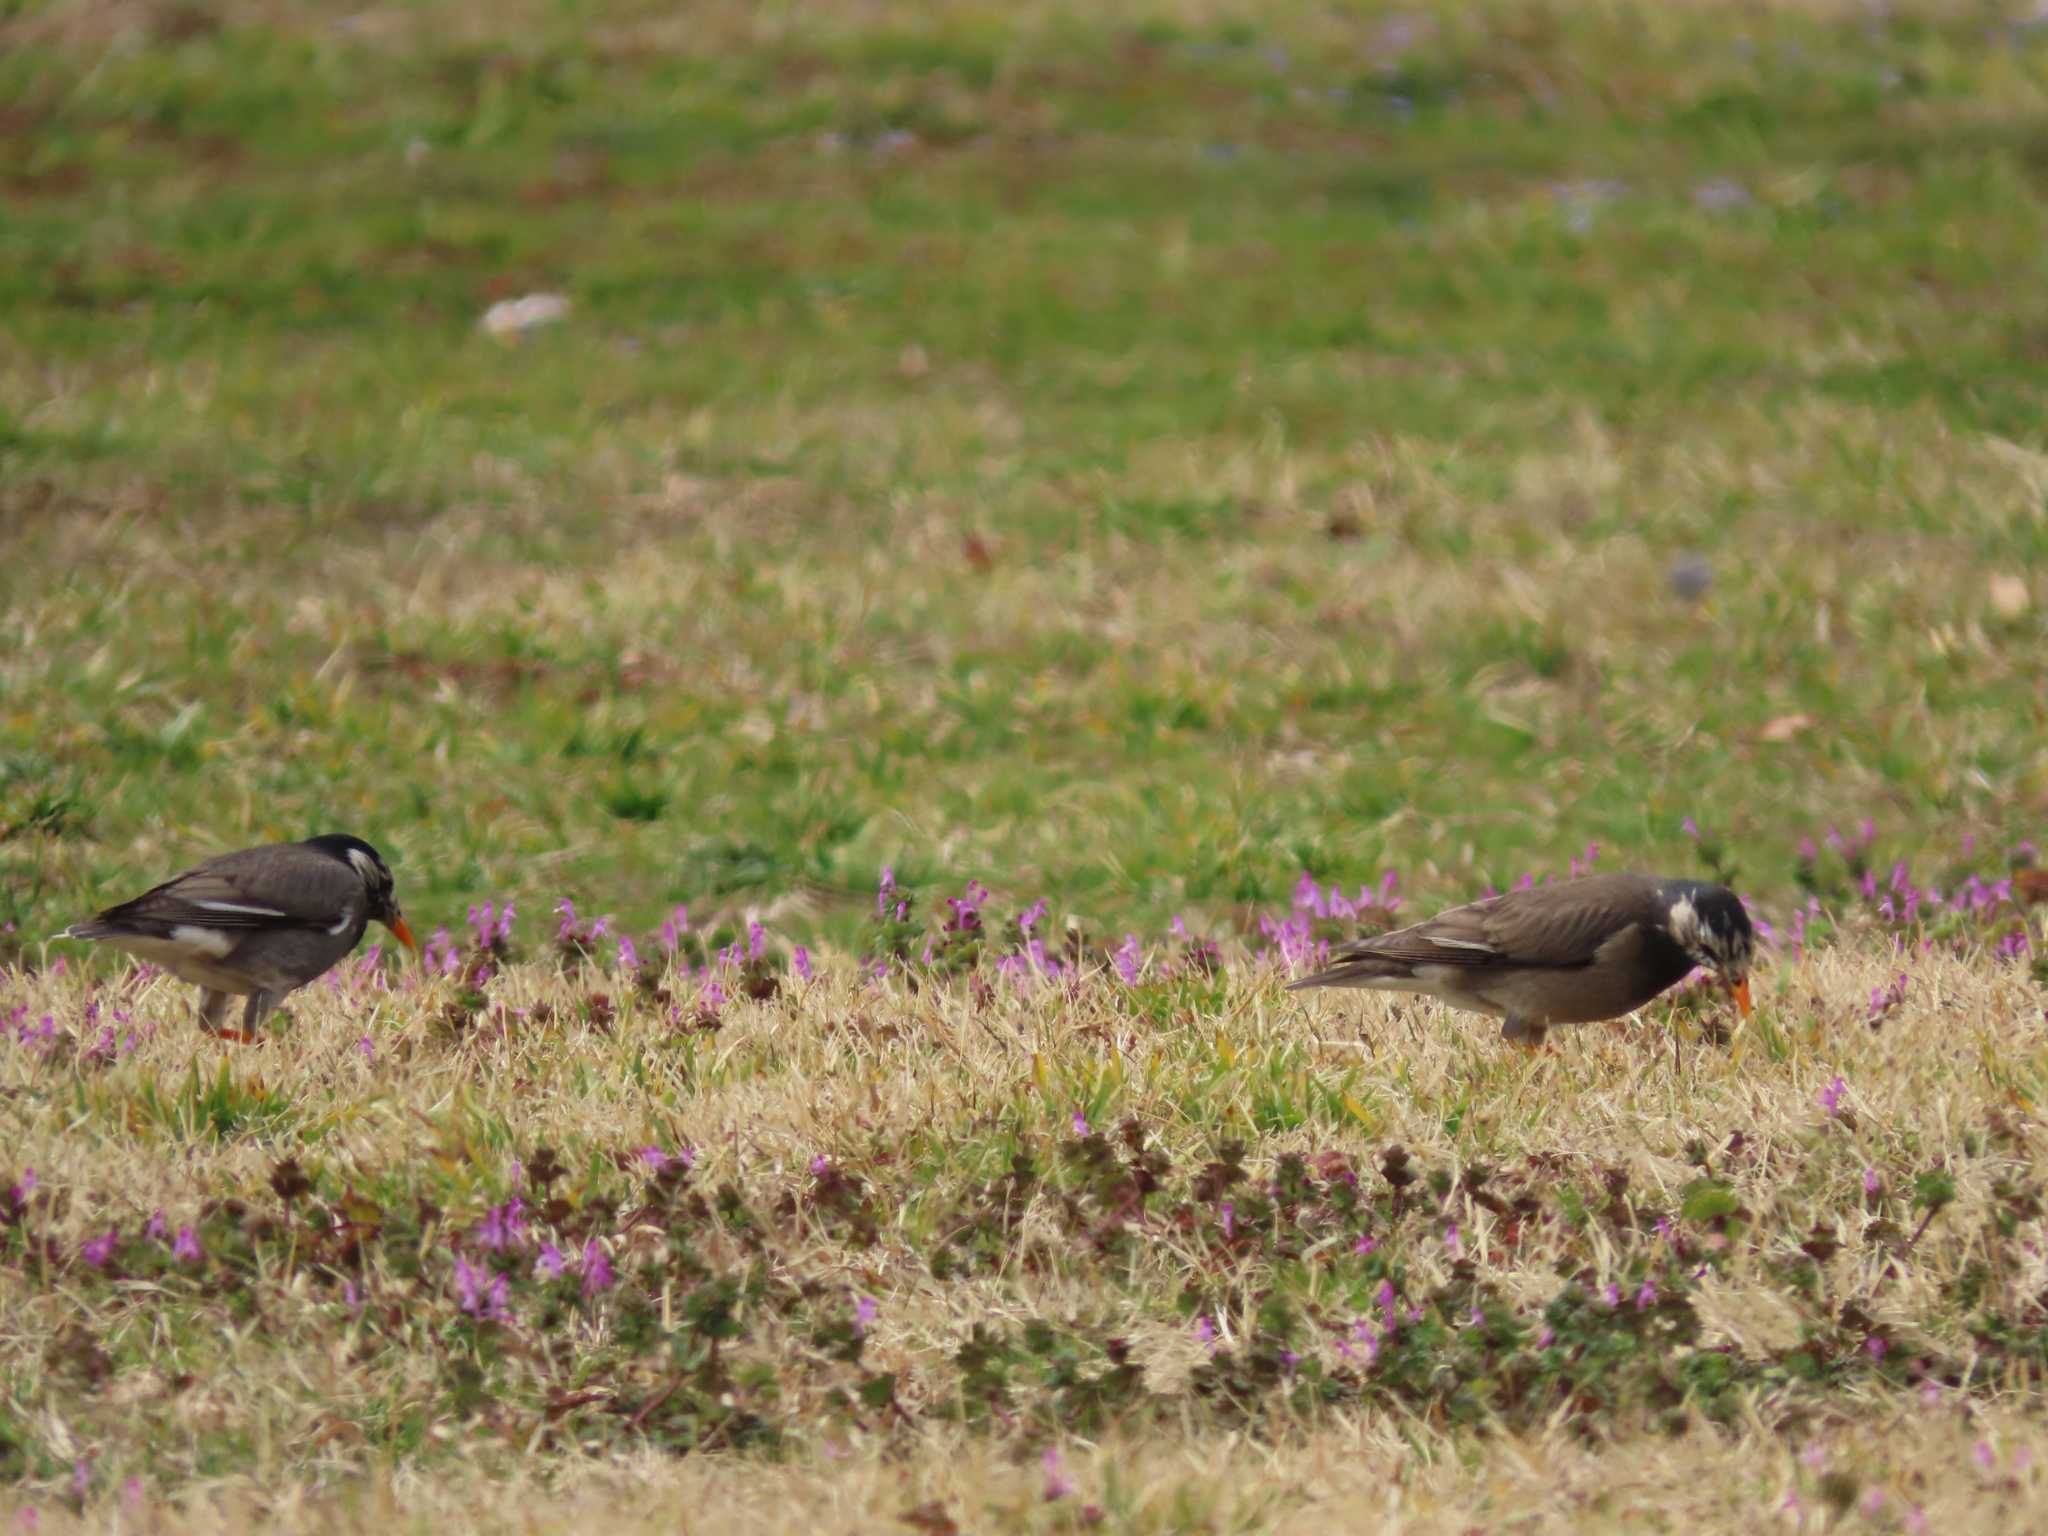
(1137, 458)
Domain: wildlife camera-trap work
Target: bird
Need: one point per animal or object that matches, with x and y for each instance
(1569, 953)
(258, 923)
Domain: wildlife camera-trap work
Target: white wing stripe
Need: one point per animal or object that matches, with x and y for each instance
(237, 907)
(1484, 949)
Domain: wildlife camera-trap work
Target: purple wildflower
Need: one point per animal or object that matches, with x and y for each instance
(1205, 1331)
(629, 957)
(550, 1262)
(890, 903)
(1547, 1337)
(503, 1226)
(1646, 1298)
(1612, 1295)
(185, 1248)
(483, 1295)
(1385, 1298)
(673, 927)
(1451, 1241)
(1871, 1186)
(22, 1190)
(800, 962)
(1831, 1096)
(1366, 1243)
(597, 1270)
(1690, 828)
(369, 1049)
(1876, 1346)
(864, 1313)
(1081, 1124)
(1229, 1219)
(1057, 1484)
(97, 1250)
(566, 910)
(1986, 1457)
(351, 1296)
(81, 1478)
(1129, 960)
(1364, 1333)
(155, 1228)
(1031, 916)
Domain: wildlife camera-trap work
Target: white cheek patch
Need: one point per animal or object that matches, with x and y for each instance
(238, 908)
(1685, 924)
(202, 941)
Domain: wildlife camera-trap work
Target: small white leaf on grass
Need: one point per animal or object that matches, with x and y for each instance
(2009, 595)
(509, 317)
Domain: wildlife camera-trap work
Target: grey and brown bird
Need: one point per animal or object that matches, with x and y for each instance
(1568, 953)
(256, 924)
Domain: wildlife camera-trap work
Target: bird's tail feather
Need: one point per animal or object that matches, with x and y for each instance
(1357, 971)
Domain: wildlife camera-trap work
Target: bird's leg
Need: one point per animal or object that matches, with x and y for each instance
(1530, 1037)
(256, 1010)
(253, 1010)
(213, 1007)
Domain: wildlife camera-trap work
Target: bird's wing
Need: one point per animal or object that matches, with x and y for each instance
(278, 887)
(1544, 928)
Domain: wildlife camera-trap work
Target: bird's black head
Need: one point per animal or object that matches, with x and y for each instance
(1709, 923)
(375, 874)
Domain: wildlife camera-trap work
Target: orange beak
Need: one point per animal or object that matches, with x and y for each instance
(403, 934)
(1739, 990)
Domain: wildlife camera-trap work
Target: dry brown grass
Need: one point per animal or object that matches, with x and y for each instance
(901, 1090)
(1363, 1477)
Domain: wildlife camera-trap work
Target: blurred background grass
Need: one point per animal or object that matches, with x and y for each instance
(1131, 453)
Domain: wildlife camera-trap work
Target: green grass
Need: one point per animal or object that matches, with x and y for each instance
(1205, 449)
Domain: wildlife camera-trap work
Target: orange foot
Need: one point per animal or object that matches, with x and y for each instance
(235, 1036)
